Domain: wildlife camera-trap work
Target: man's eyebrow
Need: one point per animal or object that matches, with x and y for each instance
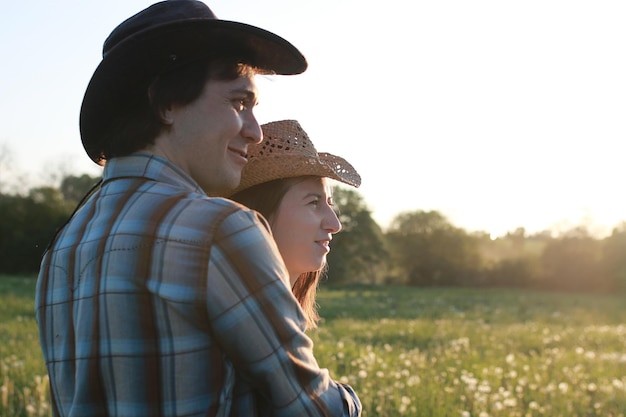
(317, 195)
(249, 93)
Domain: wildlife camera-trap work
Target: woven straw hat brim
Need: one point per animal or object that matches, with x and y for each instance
(269, 168)
(127, 69)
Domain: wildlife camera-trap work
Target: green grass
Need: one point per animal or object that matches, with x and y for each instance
(468, 352)
(23, 381)
(416, 352)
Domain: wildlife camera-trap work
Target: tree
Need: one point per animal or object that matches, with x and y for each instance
(5, 165)
(28, 222)
(516, 272)
(11, 180)
(74, 187)
(512, 260)
(573, 263)
(358, 252)
(26, 225)
(430, 251)
(614, 257)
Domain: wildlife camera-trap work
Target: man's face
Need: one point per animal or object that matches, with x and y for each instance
(209, 137)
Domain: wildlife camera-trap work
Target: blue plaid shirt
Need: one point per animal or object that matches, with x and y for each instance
(156, 300)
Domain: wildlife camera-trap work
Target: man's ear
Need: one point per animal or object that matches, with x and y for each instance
(167, 115)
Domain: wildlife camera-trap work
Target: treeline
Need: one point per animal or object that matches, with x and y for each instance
(419, 248)
(422, 248)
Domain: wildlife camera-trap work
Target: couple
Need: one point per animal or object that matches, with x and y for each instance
(157, 297)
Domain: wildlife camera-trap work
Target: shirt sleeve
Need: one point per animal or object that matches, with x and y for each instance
(260, 326)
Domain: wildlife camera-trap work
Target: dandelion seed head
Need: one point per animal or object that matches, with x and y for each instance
(484, 388)
(510, 402)
(414, 380)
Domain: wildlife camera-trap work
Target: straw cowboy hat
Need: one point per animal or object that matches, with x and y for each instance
(160, 38)
(286, 151)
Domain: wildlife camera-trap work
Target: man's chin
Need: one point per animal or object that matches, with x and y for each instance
(225, 189)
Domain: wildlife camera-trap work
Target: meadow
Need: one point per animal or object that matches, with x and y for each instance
(416, 351)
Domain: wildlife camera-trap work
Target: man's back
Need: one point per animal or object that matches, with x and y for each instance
(130, 271)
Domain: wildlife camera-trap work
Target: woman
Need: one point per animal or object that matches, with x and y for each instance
(286, 180)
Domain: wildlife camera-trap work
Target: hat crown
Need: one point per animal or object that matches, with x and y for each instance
(283, 138)
(162, 13)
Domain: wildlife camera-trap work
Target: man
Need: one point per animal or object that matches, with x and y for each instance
(155, 299)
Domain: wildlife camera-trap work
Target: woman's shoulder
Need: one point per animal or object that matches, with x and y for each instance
(217, 214)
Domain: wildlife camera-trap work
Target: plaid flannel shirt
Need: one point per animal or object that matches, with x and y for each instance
(157, 300)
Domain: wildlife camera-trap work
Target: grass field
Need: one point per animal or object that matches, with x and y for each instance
(416, 352)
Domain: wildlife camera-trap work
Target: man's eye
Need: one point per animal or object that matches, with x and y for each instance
(241, 103)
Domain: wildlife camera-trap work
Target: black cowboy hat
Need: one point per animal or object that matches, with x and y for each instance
(163, 36)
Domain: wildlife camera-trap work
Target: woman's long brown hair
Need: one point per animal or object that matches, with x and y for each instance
(266, 198)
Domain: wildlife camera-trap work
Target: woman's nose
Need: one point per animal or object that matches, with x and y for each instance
(332, 222)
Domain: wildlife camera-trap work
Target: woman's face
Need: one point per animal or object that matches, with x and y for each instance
(303, 226)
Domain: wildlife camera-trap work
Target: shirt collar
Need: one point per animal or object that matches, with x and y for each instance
(150, 166)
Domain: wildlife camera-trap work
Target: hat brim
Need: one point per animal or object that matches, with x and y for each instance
(128, 68)
(260, 170)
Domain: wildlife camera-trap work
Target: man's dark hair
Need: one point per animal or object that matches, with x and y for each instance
(139, 124)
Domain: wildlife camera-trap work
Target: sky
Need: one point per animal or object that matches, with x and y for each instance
(499, 114)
